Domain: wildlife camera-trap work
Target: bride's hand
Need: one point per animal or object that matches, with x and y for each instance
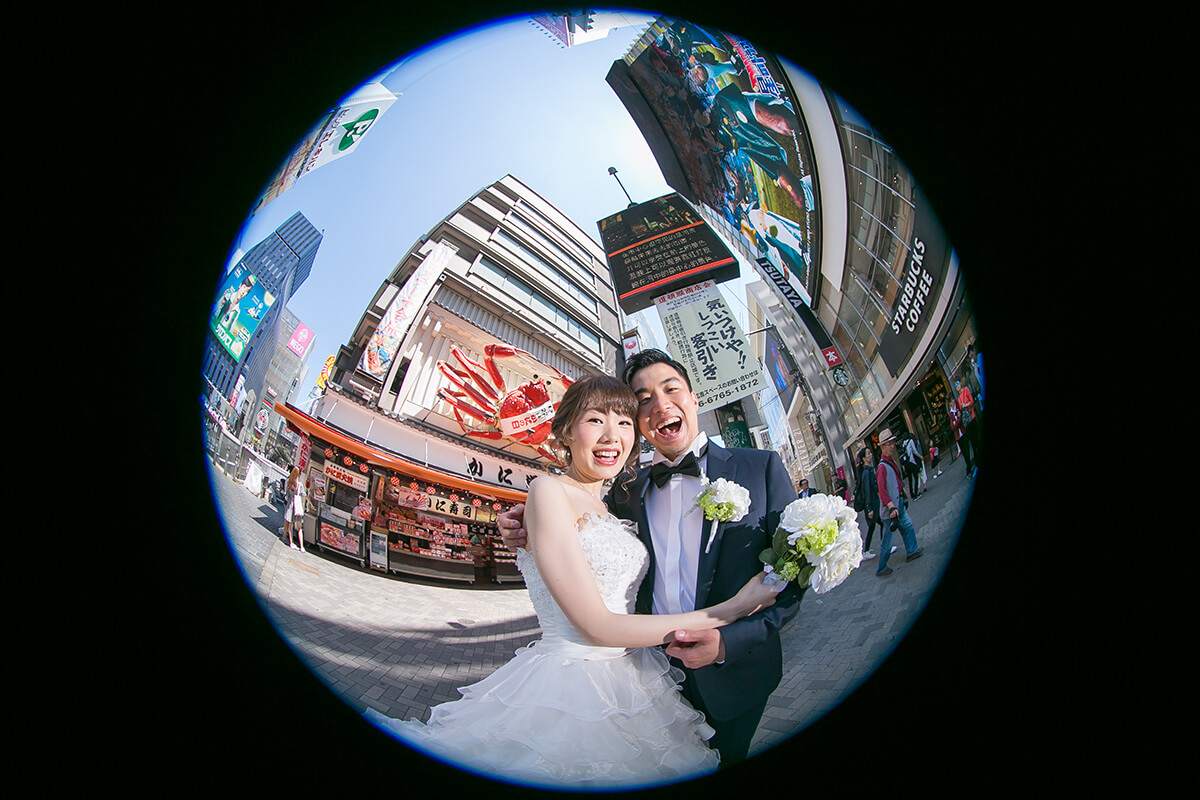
(755, 595)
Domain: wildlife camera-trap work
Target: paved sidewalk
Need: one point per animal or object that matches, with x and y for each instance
(401, 644)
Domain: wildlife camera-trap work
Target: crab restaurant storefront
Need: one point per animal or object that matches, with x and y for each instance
(370, 504)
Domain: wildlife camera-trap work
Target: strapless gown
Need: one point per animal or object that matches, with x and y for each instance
(566, 713)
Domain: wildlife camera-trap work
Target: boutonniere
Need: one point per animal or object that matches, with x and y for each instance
(817, 544)
(722, 501)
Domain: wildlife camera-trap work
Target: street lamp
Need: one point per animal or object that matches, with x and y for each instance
(613, 171)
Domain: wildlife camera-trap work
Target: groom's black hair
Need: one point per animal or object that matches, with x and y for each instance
(644, 358)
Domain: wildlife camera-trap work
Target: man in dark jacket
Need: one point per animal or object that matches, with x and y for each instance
(868, 492)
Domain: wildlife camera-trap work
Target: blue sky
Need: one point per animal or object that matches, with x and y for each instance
(472, 108)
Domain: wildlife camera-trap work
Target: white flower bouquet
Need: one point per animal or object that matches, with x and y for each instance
(722, 501)
(817, 544)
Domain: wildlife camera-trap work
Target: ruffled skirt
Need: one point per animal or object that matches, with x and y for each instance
(563, 714)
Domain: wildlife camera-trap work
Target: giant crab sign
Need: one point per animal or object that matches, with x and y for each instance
(522, 414)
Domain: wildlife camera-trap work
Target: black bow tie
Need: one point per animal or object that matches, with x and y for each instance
(661, 472)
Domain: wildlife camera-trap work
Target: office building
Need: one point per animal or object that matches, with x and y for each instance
(404, 435)
(239, 347)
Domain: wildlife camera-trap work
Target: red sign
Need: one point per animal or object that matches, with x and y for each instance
(303, 451)
(832, 359)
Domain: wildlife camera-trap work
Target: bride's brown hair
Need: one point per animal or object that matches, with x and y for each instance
(602, 393)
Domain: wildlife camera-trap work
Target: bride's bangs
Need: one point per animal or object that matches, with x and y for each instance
(611, 396)
(602, 393)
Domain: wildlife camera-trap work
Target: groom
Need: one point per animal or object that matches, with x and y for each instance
(730, 671)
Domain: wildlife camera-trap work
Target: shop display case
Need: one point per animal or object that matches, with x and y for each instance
(503, 561)
(388, 521)
(428, 534)
(343, 513)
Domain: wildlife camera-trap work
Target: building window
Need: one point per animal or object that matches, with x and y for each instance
(551, 272)
(537, 303)
(579, 258)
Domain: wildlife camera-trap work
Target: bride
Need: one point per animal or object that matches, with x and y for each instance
(593, 703)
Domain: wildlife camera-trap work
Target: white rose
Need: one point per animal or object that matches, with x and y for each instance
(802, 511)
(836, 561)
(795, 516)
(724, 491)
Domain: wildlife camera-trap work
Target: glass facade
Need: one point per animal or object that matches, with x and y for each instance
(881, 215)
(282, 262)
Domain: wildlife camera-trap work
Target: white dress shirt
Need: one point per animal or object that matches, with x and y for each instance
(676, 526)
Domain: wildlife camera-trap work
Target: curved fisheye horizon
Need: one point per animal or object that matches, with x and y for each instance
(421, 172)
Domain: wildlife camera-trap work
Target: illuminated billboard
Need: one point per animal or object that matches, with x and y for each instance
(655, 247)
(727, 135)
(240, 307)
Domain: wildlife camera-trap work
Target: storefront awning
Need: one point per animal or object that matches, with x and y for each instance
(372, 455)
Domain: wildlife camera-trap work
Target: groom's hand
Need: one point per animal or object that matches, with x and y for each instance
(511, 524)
(697, 648)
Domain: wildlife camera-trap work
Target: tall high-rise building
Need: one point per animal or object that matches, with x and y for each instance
(286, 367)
(261, 283)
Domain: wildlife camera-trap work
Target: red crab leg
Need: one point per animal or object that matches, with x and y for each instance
(466, 408)
(453, 376)
(471, 432)
(493, 351)
(476, 371)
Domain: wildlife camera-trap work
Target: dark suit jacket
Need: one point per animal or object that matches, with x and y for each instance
(753, 655)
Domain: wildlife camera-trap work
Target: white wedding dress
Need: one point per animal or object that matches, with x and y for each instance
(566, 713)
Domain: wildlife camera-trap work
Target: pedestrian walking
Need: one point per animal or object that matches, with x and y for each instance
(804, 491)
(892, 512)
(866, 497)
(960, 439)
(976, 359)
(914, 468)
(293, 512)
(934, 459)
(840, 489)
(966, 414)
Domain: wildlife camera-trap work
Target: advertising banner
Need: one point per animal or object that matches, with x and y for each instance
(920, 285)
(345, 129)
(303, 452)
(344, 540)
(704, 336)
(300, 340)
(236, 397)
(727, 135)
(326, 368)
(377, 358)
(337, 134)
(779, 368)
(630, 344)
(240, 307)
(661, 245)
(342, 475)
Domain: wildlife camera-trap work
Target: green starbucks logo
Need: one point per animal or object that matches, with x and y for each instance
(355, 130)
